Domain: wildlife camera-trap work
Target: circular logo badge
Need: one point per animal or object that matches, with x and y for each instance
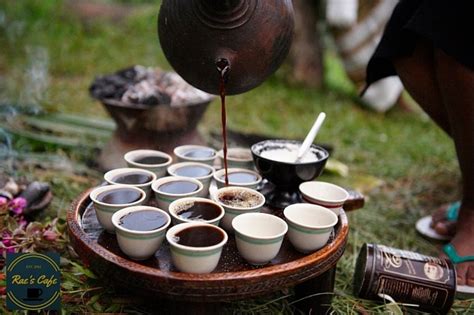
(433, 271)
(33, 281)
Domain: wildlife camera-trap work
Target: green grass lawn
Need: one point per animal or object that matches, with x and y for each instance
(413, 159)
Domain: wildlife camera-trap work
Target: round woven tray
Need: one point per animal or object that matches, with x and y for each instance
(232, 279)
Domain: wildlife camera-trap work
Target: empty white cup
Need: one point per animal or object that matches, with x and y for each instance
(309, 226)
(324, 194)
(259, 236)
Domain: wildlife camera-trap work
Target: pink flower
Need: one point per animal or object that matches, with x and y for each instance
(7, 244)
(50, 235)
(3, 201)
(22, 222)
(17, 205)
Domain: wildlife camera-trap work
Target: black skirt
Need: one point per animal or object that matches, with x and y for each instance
(447, 24)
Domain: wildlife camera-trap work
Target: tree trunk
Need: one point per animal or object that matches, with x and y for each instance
(306, 54)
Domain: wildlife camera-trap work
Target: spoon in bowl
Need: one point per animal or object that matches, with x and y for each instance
(310, 137)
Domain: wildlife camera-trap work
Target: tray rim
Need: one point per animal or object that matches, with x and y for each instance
(313, 264)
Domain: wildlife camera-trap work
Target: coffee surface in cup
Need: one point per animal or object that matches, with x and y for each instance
(132, 179)
(119, 196)
(241, 177)
(151, 160)
(199, 153)
(192, 171)
(199, 236)
(178, 187)
(199, 210)
(241, 199)
(143, 220)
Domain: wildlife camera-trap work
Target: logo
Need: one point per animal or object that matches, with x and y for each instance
(433, 271)
(33, 281)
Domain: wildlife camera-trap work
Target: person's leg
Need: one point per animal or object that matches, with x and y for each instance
(417, 73)
(456, 84)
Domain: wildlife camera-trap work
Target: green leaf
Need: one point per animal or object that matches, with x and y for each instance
(84, 270)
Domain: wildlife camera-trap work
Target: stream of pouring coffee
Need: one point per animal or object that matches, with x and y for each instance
(223, 66)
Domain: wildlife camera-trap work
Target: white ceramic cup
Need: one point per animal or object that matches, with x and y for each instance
(238, 158)
(181, 152)
(139, 245)
(309, 226)
(110, 177)
(220, 181)
(164, 199)
(194, 259)
(104, 211)
(232, 211)
(259, 236)
(204, 179)
(159, 169)
(324, 194)
(184, 203)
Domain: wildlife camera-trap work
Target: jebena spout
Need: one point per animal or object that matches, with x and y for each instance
(255, 36)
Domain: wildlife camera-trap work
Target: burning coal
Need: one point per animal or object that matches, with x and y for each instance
(146, 86)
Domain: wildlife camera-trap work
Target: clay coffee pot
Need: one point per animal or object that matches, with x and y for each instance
(250, 37)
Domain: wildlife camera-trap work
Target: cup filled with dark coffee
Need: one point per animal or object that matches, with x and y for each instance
(112, 198)
(151, 160)
(140, 230)
(196, 209)
(134, 177)
(199, 171)
(237, 158)
(195, 153)
(196, 247)
(236, 201)
(238, 177)
(170, 188)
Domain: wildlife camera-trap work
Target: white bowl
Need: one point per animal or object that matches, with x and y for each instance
(139, 245)
(309, 226)
(233, 211)
(238, 158)
(184, 203)
(110, 176)
(220, 182)
(158, 169)
(194, 259)
(259, 236)
(324, 194)
(181, 151)
(205, 179)
(164, 199)
(104, 211)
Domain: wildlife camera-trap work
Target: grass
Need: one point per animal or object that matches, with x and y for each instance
(413, 158)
